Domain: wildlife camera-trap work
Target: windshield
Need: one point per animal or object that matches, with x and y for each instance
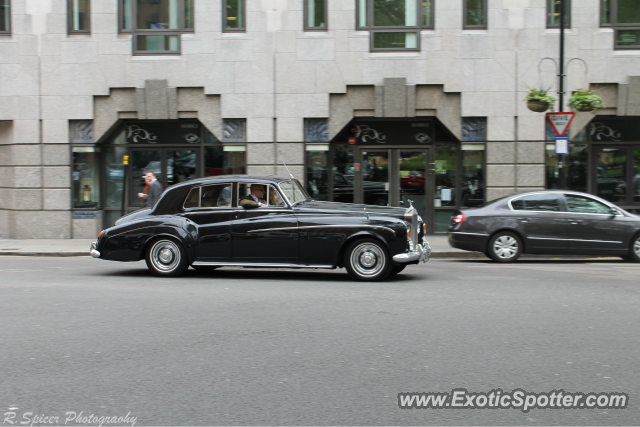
(294, 191)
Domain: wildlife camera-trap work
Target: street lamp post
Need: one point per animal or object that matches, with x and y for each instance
(561, 180)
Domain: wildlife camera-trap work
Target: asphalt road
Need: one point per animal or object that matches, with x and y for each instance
(304, 347)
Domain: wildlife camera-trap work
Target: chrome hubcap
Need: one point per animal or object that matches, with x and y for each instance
(505, 247)
(636, 247)
(367, 259)
(165, 255)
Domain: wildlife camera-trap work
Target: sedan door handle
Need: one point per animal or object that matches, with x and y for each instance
(575, 221)
(524, 220)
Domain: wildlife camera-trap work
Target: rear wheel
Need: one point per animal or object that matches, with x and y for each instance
(166, 258)
(367, 260)
(634, 250)
(397, 269)
(504, 246)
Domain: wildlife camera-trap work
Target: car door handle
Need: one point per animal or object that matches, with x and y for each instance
(524, 220)
(574, 221)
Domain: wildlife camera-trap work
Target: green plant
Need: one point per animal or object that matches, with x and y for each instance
(541, 96)
(582, 100)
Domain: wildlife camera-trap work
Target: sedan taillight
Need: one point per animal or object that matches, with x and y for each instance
(458, 219)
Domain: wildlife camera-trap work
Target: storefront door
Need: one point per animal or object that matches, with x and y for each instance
(616, 173)
(394, 176)
(171, 166)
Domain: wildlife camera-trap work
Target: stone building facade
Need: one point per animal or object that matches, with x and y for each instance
(264, 82)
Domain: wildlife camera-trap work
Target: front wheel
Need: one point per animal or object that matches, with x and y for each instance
(367, 260)
(166, 258)
(504, 246)
(634, 250)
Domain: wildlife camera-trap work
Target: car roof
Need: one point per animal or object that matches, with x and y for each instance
(234, 178)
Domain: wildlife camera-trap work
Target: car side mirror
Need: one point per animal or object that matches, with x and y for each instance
(615, 212)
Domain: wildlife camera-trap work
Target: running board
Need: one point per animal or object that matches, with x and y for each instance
(258, 265)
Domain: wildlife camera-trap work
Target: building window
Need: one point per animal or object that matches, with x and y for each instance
(234, 130)
(315, 15)
(394, 24)
(79, 16)
(156, 25)
(553, 13)
(475, 14)
(474, 128)
(5, 17)
(233, 15)
(624, 17)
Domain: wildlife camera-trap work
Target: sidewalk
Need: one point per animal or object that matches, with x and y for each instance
(80, 247)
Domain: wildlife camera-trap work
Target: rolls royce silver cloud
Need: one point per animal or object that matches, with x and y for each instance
(258, 221)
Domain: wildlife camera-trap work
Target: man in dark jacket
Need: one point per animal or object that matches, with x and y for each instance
(155, 190)
(255, 199)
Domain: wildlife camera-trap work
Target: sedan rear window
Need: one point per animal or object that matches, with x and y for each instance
(536, 202)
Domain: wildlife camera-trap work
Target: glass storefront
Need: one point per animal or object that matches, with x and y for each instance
(175, 151)
(397, 162)
(85, 178)
(603, 159)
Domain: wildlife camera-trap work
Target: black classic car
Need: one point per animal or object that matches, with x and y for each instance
(547, 222)
(252, 221)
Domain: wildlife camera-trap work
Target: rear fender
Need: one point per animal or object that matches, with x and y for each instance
(182, 236)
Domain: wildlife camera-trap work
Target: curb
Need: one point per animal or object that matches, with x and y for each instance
(51, 254)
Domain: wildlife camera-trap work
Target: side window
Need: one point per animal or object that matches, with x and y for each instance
(275, 199)
(267, 195)
(581, 204)
(209, 196)
(537, 202)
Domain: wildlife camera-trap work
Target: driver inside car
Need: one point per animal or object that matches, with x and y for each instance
(255, 199)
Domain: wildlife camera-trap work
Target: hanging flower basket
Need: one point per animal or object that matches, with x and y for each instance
(585, 101)
(539, 101)
(538, 106)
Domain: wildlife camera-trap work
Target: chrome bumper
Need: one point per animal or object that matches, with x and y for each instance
(422, 253)
(93, 251)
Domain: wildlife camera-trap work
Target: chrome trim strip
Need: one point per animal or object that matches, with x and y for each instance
(202, 210)
(472, 234)
(573, 240)
(259, 264)
(323, 226)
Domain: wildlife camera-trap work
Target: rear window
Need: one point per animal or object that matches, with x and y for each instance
(209, 196)
(537, 202)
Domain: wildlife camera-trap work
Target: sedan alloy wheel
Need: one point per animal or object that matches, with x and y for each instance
(505, 247)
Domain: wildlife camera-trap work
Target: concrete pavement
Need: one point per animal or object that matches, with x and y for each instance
(80, 247)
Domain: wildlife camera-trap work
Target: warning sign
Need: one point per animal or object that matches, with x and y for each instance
(560, 122)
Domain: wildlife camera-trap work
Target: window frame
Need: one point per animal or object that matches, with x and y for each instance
(70, 16)
(567, 5)
(616, 26)
(134, 31)
(484, 26)
(369, 4)
(200, 207)
(7, 32)
(242, 29)
(305, 19)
